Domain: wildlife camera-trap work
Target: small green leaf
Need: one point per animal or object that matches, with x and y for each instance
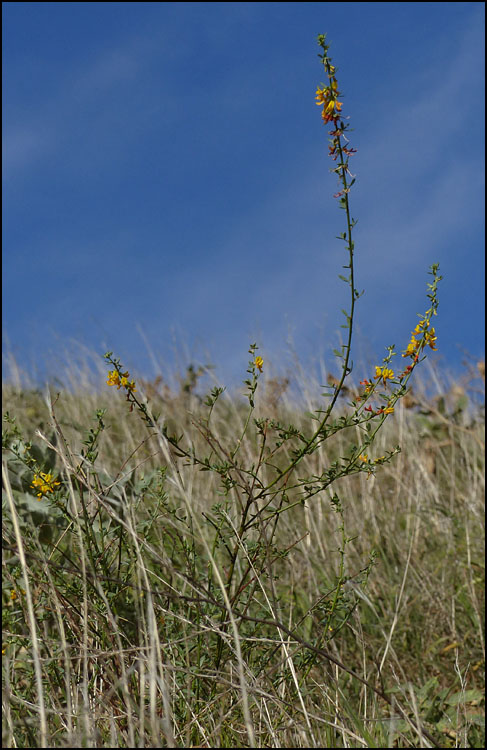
(464, 696)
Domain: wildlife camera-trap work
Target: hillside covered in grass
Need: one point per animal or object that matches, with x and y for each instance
(155, 595)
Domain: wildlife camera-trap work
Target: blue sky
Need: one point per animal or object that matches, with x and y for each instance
(166, 184)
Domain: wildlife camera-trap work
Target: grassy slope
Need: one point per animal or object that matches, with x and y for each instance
(128, 639)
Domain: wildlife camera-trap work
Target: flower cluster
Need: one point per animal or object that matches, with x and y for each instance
(365, 459)
(327, 97)
(385, 410)
(427, 338)
(44, 483)
(369, 465)
(121, 380)
(384, 374)
(381, 373)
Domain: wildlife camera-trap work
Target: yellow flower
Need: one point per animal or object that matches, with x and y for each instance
(113, 378)
(411, 348)
(126, 383)
(420, 326)
(121, 380)
(45, 483)
(333, 104)
(364, 458)
(430, 338)
(259, 363)
(389, 410)
(322, 95)
(384, 374)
